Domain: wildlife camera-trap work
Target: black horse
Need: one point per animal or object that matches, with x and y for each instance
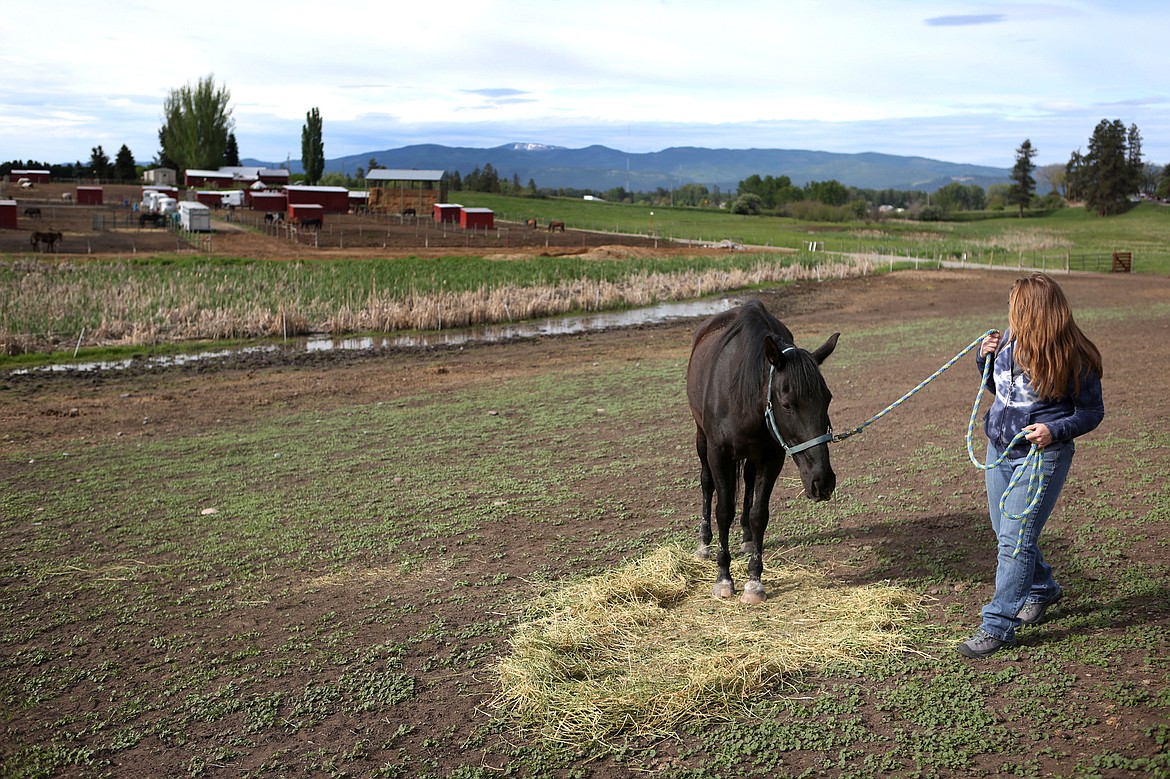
(755, 397)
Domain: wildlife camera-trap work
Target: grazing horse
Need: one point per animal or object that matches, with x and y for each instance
(49, 239)
(33, 212)
(532, 224)
(271, 218)
(153, 218)
(409, 212)
(313, 222)
(555, 226)
(755, 397)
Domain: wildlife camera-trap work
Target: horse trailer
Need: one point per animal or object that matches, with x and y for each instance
(194, 217)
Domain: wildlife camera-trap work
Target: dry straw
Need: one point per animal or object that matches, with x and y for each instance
(642, 649)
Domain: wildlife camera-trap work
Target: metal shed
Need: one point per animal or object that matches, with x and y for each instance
(7, 214)
(89, 196)
(447, 212)
(472, 218)
(299, 213)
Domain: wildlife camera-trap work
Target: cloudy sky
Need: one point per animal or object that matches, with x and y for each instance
(955, 81)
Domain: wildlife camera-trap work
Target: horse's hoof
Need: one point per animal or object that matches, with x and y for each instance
(723, 590)
(753, 594)
(703, 552)
(746, 548)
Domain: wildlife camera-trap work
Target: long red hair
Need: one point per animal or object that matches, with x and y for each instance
(1050, 347)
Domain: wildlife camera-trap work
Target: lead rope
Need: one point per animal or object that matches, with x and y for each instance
(1033, 464)
(911, 393)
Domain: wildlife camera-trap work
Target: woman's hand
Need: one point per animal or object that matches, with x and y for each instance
(990, 344)
(1038, 434)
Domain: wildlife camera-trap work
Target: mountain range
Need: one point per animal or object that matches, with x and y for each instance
(599, 168)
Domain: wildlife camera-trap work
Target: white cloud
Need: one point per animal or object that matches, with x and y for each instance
(965, 83)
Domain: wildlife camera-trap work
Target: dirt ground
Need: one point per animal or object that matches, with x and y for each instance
(67, 408)
(113, 229)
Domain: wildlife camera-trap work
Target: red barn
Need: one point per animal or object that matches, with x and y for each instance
(447, 212)
(476, 218)
(267, 201)
(7, 214)
(89, 196)
(333, 200)
(34, 176)
(209, 198)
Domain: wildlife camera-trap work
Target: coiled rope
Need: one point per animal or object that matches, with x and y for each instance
(1033, 463)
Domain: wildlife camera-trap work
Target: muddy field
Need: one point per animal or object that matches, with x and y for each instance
(113, 229)
(1086, 694)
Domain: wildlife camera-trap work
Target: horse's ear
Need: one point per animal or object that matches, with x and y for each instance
(824, 350)
(773, 350)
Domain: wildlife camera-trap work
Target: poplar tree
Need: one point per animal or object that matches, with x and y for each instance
(312, 147)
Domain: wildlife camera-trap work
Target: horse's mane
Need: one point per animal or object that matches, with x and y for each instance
(754, 323)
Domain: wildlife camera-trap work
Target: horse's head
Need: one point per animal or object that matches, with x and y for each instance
(799, 400)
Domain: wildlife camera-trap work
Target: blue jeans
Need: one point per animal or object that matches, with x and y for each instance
(1025, 576)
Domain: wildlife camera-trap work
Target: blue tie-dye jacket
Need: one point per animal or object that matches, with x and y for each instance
(1017, 405)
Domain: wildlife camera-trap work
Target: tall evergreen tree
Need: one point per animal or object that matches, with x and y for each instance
(312, 147)
(1108, 171)
(99, 163)
(231, 155)
(124, 169)
(197, 121)
(1023, 183)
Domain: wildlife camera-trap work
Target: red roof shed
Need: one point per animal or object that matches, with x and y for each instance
(477, 217)
(334, 200)
(7, 214)
(447, 212)
(299, 212)
(89, 196)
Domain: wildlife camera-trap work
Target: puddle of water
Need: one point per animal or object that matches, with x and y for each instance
(552, 326)
(485, 333)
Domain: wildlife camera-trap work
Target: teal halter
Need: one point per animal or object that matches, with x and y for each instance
(770, 417)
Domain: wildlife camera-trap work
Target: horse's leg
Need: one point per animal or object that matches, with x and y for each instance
(753, 590)
(723, 471)
(708, 483)
(749, 488)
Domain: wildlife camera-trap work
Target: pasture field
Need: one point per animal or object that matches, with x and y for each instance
(1047, 240)
(287, 564)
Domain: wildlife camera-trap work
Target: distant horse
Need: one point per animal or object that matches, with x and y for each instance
(313, 222)
(67, 197)
(555, 226)
(271, 218)
(532, 224)
(409, 212)
(154, 219)
(49, 239)
(755, 397)
(33, 212)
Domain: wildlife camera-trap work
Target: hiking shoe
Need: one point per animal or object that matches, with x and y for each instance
(983, 644)
(1032, 613)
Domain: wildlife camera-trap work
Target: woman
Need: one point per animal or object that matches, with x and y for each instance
(1047, 383)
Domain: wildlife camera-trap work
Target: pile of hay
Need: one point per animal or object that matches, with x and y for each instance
(642, 649)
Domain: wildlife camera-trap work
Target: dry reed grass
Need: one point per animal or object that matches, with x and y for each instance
(642, 649)
(133, 312)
